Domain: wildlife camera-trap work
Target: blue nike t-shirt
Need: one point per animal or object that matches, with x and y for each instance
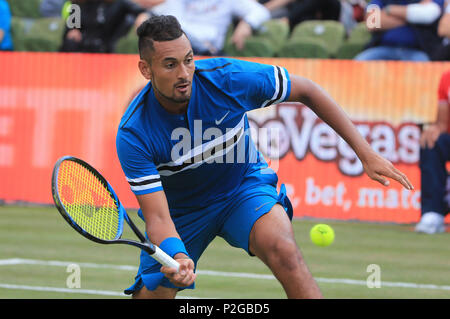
(201, 156)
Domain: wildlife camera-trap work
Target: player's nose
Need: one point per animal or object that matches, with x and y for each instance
(183, 72)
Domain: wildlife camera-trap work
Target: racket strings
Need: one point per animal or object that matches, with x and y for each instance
(87, 201)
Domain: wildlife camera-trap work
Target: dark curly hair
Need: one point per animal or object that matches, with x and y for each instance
(157, 28)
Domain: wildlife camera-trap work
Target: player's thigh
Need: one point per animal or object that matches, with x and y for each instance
(272, 235)
(159, 293)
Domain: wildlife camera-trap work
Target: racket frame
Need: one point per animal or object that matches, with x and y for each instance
(144, 244)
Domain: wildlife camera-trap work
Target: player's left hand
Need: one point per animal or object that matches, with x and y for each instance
(378, 168)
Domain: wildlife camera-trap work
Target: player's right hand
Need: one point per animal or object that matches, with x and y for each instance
(185, 275)
(378, 168)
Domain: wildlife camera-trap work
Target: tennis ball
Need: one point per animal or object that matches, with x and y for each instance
(65, 11)
(322, 235)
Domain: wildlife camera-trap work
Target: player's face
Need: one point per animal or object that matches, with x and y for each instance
(172, 69)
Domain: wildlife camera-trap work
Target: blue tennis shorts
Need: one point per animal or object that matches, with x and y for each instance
(231, 219)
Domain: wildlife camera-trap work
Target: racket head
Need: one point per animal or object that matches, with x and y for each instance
(86, 200)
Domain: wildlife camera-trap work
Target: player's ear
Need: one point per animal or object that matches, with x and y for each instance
(144, 67)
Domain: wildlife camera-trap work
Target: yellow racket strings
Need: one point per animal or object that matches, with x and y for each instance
(87, 201)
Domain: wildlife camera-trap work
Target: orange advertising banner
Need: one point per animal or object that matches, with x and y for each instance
(54, 104)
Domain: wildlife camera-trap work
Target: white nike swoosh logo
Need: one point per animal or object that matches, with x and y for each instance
(223, 118)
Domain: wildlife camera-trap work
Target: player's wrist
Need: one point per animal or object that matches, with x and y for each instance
(173, 246)
(179, 256)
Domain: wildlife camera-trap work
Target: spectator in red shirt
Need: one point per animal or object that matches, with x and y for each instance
(434, 154)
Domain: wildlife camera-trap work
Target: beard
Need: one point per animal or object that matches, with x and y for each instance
(180, 99)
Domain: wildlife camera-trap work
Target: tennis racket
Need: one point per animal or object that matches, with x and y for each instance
(89, 204)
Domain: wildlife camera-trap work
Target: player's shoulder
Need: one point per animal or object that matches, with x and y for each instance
(131, 115)
(223, 65)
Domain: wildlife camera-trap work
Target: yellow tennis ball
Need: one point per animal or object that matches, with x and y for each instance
(322, 235)
(65, 11)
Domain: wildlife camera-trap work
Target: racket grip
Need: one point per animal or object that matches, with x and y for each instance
(165, 259)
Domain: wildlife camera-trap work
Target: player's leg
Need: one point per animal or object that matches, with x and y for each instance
(159, 293)
(259, 222)
(272, 240)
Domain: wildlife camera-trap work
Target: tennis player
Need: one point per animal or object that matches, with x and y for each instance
(184, 148)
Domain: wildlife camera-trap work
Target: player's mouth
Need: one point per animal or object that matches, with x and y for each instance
(183, 87)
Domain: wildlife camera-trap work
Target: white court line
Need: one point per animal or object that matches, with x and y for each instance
(75, 291)
(64, 290)
(20, 261)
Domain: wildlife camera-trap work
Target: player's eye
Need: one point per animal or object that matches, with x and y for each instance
(189, 60)
(170, 65)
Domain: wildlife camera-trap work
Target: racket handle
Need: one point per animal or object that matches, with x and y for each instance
(165, 259)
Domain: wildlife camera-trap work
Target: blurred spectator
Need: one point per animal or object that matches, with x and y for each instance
(278, 8)
(352, 12)
(348, 12)
(103, 22)
(434, 154)
(52, 8)
(402, 29)
(5, 27)
(147, 5)
(443, 52)
(206, 22)
(303, 10)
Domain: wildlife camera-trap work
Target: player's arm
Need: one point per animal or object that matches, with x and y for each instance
(159, 227)
(313, 96)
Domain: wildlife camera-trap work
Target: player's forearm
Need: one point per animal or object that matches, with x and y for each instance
(313, 96)
(158, 222)
(159, 228)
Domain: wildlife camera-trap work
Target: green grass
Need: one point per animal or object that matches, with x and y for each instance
(40, 233)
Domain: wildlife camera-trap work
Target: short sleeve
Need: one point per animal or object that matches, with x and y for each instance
(258, 85)
(138, 166)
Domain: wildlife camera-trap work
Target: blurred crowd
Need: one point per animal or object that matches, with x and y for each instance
(393, 29)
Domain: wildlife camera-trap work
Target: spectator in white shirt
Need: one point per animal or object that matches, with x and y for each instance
(206, 22)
